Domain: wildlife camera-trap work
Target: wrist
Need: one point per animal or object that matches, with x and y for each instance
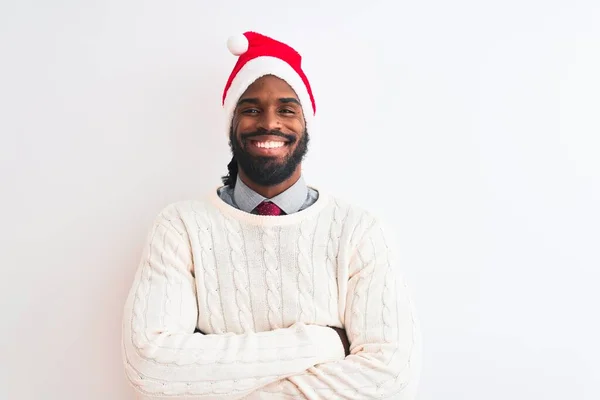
(327, 342)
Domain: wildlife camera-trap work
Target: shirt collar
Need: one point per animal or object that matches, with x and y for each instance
(289, 201)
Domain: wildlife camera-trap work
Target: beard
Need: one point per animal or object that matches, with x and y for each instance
(268, 171)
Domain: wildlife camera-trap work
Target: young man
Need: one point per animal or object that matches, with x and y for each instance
(269, 288)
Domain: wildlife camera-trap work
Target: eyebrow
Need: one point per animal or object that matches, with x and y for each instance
(289, 100)
(250, 100)
(256, 101)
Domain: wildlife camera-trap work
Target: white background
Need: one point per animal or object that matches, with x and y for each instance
(472, 126)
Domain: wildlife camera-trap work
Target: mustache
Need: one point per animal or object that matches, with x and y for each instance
(262, 132)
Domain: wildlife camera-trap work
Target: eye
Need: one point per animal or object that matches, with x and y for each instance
(250, 111)
(286, 111)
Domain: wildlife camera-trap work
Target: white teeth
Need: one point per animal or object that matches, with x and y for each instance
(269, 145)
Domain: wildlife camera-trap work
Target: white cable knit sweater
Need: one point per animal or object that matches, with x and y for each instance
(262, 291)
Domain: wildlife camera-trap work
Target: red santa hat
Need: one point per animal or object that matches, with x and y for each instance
(259, 55)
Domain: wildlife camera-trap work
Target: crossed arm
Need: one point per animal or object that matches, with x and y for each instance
(384, 336)
(165, 359)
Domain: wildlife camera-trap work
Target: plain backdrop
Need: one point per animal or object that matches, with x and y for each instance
(472, 127)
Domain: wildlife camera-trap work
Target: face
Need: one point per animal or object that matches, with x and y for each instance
(268, 134)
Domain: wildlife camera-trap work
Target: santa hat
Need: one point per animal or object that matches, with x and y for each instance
(259, 55)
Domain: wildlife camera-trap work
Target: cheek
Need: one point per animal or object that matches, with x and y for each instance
(296, 126)
(243, 124)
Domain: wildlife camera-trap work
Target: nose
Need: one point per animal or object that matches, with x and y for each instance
(270, 120)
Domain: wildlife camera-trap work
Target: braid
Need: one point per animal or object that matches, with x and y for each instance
(230, 178)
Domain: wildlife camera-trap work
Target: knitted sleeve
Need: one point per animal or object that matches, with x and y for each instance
(165, 358)
(383, 332)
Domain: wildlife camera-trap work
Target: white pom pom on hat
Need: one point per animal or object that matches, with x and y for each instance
(237, 44)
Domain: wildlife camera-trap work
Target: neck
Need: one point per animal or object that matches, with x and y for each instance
(273, 190)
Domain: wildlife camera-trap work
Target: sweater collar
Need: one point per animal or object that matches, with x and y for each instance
(323, 200)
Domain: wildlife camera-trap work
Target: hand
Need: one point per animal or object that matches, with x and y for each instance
(344, 338)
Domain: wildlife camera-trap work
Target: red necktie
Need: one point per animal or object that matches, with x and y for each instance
(268, 208)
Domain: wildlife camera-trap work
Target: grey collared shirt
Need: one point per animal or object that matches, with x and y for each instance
(296, 198)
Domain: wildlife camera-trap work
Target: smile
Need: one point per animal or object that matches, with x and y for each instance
(268, 144)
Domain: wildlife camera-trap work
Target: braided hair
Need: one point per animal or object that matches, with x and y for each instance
(231, 177)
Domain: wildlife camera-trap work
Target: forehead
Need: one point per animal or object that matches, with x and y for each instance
(268, 86)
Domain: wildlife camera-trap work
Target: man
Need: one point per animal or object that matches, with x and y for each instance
(253, 291)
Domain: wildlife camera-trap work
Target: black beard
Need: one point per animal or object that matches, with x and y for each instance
(267, 171)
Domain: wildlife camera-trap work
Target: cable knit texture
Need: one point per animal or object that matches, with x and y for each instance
(231, 305)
